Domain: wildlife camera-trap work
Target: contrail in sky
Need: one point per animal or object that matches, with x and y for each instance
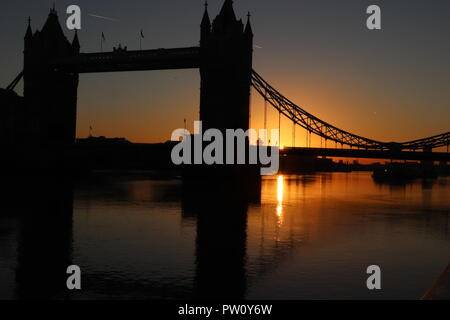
(102, 17)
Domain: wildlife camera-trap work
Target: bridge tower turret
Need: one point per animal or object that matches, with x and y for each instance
(205, 27)
(50, 94)
(226, 50)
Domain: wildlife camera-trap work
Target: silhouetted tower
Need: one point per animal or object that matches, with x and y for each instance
(50, 94)
(226, 49)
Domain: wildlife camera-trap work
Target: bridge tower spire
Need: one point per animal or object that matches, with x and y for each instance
(28, 37)
(76, 43)
(225, 68)
(205, 25)
(248, 27)
(29, 33)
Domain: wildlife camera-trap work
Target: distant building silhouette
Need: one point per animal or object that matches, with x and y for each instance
(95, 141)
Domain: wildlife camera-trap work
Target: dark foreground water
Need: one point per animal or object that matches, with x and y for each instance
(302, 237)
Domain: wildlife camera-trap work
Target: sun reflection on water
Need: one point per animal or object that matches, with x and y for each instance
(280, 193)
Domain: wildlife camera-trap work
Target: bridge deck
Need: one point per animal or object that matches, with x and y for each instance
(122, 60)
(369, 154)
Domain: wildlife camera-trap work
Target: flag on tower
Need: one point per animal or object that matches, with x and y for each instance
(103, 39)
(142, 34)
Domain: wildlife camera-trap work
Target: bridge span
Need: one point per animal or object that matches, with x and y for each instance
(368, 154)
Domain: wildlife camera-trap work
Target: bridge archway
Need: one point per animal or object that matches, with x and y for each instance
(146, 110)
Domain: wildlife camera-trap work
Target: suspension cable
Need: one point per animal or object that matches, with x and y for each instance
(293, 134)
(279, 129)
(265, 118)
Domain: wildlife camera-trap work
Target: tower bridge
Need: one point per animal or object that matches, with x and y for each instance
(52, 66)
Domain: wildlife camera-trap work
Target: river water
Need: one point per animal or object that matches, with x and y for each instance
(301, 237)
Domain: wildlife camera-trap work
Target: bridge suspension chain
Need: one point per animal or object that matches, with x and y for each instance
(431, 142)
(15, 82)
(314, 125)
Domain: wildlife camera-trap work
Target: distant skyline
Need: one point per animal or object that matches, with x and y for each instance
(389, 85)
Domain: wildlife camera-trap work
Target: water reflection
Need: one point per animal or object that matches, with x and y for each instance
(280, 188)
(335, 225)
(221, 213)
(44, 237)
(292, 237)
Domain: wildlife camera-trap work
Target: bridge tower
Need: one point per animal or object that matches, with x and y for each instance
(50, 95)
(226, 50)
